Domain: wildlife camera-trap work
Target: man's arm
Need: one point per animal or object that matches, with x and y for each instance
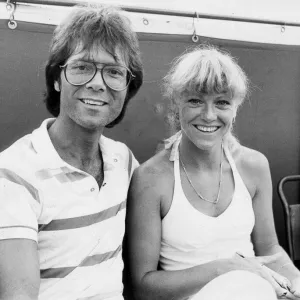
(19, 270)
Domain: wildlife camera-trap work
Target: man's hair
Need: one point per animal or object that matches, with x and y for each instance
(88, 27)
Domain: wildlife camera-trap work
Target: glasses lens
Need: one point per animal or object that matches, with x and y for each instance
(116, 77)
(80, 72)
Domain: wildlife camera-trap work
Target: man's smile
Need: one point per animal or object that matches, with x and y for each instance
(93, 102)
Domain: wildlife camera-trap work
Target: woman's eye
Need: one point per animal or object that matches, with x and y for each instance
(223, 103)
(195, 101)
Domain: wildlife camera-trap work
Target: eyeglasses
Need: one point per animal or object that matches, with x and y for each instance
(81, 72)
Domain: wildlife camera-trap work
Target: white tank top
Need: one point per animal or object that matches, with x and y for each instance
(191, 238)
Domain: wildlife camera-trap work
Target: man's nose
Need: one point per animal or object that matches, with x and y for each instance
(97, 83)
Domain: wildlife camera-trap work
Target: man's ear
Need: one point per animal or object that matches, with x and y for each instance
(57, 86)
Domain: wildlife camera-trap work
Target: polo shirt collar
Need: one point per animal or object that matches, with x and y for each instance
(43, 146)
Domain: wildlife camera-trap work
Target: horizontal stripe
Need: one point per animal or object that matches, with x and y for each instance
(13, 177)
(75, 176)
(18, 226)
(95, 297)
(113, 295)
(62, 178)
(56, 272)
(44, 174)
(99, 258)
(63, 175)
(88, 262)
(83, 221)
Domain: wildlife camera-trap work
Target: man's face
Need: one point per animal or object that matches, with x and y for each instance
(92, 105)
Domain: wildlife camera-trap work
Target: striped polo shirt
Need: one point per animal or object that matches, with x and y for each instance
(78, 227)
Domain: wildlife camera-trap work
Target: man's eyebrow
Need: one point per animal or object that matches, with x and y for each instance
(96, 62)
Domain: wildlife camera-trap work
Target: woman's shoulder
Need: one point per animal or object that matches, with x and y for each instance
(157, 169)
(250, 160)
(153, 181)
(252, 166)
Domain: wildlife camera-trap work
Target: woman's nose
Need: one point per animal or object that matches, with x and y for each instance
(209, 113)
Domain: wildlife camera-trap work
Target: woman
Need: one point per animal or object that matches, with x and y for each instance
(200, 222)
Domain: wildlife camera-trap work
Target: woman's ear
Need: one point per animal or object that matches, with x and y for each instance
(56, 86)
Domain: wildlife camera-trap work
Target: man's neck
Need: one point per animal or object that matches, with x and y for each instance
(76, 145)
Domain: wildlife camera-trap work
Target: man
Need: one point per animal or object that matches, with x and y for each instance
(63, 188)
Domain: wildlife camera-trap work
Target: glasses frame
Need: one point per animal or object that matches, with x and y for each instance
(132, 76)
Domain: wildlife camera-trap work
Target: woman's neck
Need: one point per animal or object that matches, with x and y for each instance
(205, 159)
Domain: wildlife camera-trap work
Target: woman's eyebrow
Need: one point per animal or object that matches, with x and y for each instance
(222, 95)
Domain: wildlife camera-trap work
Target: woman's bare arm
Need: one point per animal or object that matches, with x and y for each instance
(148, 189)
(264, 235)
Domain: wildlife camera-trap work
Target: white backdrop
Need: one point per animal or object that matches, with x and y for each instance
(285, 13)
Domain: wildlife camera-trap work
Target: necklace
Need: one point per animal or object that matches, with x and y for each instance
(220, 180)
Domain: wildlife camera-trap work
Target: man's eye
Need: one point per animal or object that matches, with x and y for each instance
(80, 66)
(116, 72)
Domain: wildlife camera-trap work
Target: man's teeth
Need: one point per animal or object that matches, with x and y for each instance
(92, 102)
(207, 129)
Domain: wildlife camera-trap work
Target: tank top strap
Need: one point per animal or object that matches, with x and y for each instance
(231, 161)
(177, 173)
(174, 156)
(173, 143)
(240, 186)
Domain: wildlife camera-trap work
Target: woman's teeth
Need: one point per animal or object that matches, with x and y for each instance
(207, 129)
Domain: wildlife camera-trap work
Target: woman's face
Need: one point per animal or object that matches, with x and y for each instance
(206, 118)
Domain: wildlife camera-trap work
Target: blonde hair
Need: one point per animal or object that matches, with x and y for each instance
(206, 70)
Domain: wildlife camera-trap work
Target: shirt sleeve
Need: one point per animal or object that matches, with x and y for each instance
(19, 209)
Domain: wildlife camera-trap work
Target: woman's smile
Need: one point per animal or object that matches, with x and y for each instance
(207, 129)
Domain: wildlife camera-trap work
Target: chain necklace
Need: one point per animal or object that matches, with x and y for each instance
(220, 179)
